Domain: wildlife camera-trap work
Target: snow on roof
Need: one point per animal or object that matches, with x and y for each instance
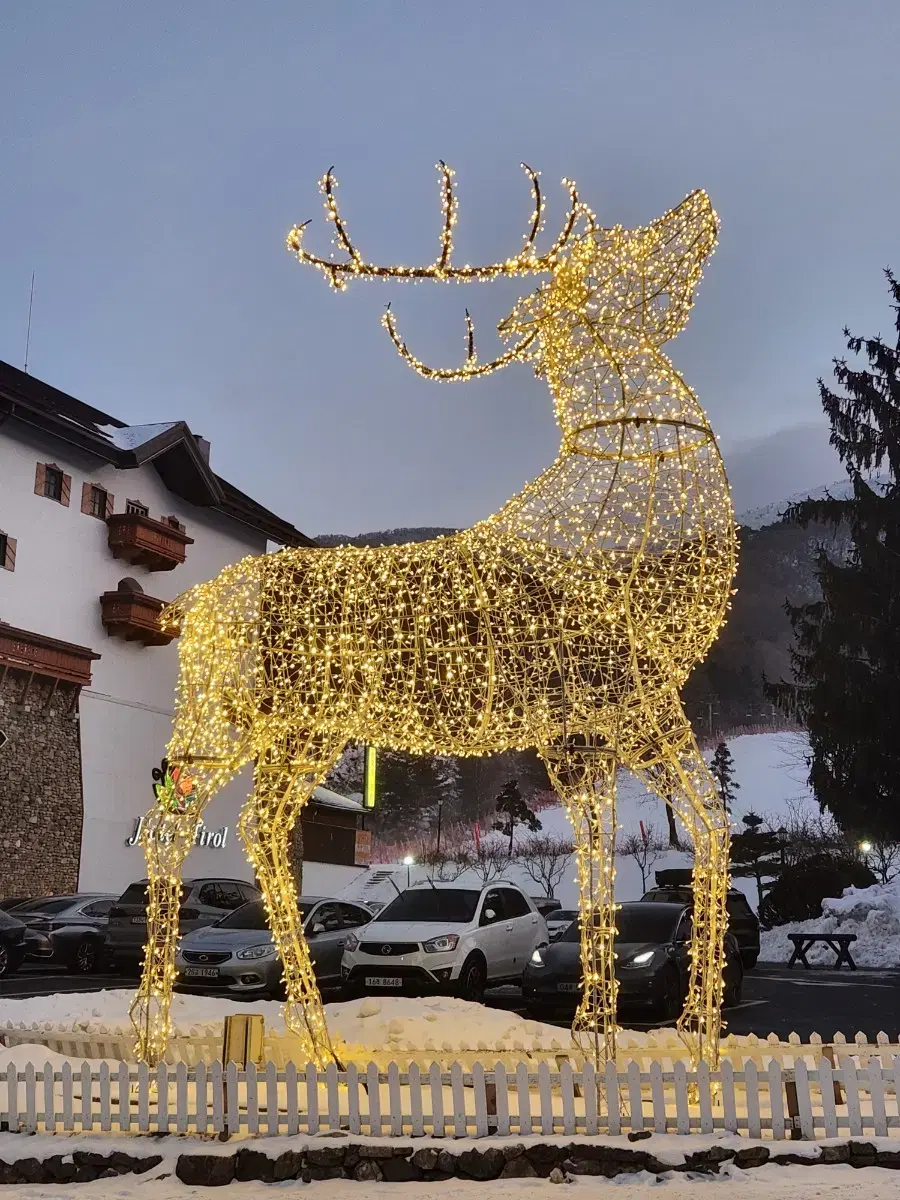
(130, 436)
(332, 800)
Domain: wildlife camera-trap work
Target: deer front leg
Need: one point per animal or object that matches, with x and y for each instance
(167, 836)
(586, 784)
(282, 785)
(683, 781)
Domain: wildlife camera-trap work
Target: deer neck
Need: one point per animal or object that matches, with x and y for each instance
(634, 428)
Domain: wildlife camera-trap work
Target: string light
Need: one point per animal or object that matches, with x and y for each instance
(569, 620)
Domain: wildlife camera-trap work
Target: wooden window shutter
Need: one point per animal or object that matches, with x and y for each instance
(10, 563)
(66, 493)
(110, 503)
(39, 475)
(86, 492)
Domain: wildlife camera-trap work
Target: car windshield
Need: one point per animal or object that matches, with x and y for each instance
(253, 916)
(637, 925)
(48, 907)
(432, 904)
(564, 914)
(136, 893)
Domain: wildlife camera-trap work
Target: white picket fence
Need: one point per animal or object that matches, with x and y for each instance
(773, 1102)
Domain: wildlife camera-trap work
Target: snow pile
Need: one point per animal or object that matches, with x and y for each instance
(872, 913)
(439, 1023)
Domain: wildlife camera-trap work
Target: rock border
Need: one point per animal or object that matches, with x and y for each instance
(395, 1163)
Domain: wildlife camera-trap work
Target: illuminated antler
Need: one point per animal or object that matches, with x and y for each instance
(524, 263)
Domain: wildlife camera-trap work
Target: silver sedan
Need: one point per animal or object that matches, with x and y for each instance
(237, 955)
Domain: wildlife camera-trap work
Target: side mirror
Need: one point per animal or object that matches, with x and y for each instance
(317, 929)
(489, 916)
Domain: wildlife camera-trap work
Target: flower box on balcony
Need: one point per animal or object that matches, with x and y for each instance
(129, 614)
(144, 542)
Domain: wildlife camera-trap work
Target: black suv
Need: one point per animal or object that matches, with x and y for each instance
(674, 886)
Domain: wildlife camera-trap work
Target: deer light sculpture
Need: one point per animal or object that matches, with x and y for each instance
(568, 621)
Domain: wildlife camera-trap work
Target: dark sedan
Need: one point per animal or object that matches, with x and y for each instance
(652, 964)
(68, 930)
(12, 944)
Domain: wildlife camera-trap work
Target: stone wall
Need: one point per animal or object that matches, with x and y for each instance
(40, 789)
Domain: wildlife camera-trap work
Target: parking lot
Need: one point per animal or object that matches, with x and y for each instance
(775, 1000)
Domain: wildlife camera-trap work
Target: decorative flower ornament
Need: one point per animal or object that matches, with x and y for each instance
(174, 789)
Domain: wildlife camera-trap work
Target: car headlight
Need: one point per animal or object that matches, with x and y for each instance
(256, 952)
(640, 960)
(537, 959)
(441, 944)
(351, 942)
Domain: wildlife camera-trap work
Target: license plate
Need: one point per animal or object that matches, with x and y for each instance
(568, 987)
(385, 981)
(139, 920)
(202, 972)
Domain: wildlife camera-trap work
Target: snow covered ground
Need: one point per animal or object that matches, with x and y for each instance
(872, 913)
(762, 1183)
(440, 1023)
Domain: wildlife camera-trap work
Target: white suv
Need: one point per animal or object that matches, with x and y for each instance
(442, 937)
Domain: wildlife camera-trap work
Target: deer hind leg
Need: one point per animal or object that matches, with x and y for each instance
(683, 781)
(284, 780)
(167, 836)
(586, 784)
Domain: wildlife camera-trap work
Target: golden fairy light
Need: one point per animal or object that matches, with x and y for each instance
(567, 621)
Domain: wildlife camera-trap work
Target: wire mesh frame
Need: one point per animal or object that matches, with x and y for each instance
(568, 621)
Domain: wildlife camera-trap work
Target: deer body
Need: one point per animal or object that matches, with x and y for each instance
(568, 621)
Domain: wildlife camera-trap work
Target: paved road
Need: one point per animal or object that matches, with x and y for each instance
(775, 1000)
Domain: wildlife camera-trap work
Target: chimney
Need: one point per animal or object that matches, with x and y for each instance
(203, 447)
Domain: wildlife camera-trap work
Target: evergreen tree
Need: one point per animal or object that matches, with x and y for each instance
(844, 664)
(756, 853)
(512, 811)
(722, 770)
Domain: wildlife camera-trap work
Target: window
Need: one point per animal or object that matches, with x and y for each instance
(7, 552)
(135, 507)
(210, 896)
(53, 483)
(432, 904)
(53, 479)
(328, 916)
(100, 908)
(516, 904)
(494, 902)
(352, 917)
(96, 501)
(230, 895)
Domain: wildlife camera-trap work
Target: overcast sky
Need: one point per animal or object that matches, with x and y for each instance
(154, 156)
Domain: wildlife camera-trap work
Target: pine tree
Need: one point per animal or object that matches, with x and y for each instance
(512, 811)
(722, 770)
(756, 853)
(844, 664)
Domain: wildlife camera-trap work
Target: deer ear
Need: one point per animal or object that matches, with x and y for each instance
(675, 247)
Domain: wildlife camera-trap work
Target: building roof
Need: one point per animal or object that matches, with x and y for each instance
(330, 799)
(180, 456)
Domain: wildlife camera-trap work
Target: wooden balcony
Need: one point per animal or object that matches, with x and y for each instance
(141, 541)
(34, 654)
(131, 615)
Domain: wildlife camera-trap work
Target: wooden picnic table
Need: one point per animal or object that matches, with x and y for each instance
(838, 942)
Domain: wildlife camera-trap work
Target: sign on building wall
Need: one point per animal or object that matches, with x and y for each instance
(214, 838)
(362, 854)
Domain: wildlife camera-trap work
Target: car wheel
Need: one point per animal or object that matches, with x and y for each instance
(84, 960)
(735, 990)
(473, 979)
(749, 959)
(6, 966)
(670, 1001)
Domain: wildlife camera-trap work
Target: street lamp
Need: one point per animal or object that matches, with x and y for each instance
(408, 862)
(866, 847)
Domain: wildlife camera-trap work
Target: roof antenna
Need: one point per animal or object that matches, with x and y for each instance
(28, 334)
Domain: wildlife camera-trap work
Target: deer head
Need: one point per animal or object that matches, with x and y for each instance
(614, 292)
(526, 262)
